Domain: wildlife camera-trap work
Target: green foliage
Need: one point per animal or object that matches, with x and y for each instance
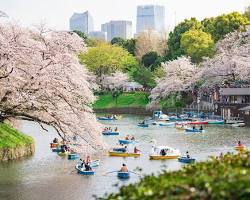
(218, 179)
(145, 77)
(106, 59)
(174, 41)
(123, 100)
(118, 41)
(247, 13)
(176, 100)
(11, 138)
(81, 34)
(149, 59)
(197, 44)
(219, 26)
(129, 45)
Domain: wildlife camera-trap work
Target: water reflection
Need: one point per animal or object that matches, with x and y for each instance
(48, 176)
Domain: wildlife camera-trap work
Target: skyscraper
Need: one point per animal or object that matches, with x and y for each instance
(99, 35)
(81, 22)
(121, 29)
(150, 17)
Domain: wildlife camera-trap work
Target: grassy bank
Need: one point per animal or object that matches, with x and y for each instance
(226, 178)
(124, 100)
(11, 138)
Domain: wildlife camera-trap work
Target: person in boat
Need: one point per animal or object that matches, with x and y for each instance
(132, 138)
(82, 163)
(221, 155)
(116, 129)
(88, 160)
(163, 152)
(187, 155)
(193, 127)
(125, 149)
(127, 137)
(124, 168)
(114, 117)
(63, 148)
(87, 167)
(55, 140)
(201, 128)
(239, 143)
(136, 150)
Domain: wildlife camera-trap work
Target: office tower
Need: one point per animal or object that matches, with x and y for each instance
(81, 22)
(150, 17)
(121, 29)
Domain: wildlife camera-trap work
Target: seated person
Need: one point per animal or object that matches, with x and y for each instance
(87, 167)
(82, 162)
(55, 140)
(88, 160)
(116, 129)
(239, 143)
(163, 152)
(201, 128)
(125, 149)
(132, 138)
(127, 137)
(193, 127)
(187, 154)
(136, 150)
(124, 168)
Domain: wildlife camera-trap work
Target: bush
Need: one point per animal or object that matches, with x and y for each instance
(225, 178)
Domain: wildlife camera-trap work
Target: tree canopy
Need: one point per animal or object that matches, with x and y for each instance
(149, 59)
(197, 44)
(106, 59)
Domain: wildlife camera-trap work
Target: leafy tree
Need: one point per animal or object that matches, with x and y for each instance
(197, 44)
(118, 41)
(144, 76)
(129, 45)
(149, 58)
(106, 59)
(81, 34)
(219, 26)
(174, 41)
(247, 12)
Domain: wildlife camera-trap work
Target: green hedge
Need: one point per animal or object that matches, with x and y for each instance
(225, 178)
(11, 138)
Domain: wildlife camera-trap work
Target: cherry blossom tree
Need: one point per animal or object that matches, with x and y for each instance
(179, 75)
(41, 80)
(116, 80)
(232, 61)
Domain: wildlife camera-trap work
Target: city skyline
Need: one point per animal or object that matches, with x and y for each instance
(57, 12)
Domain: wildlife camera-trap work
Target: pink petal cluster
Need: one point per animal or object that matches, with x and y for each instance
(116, 80)
(41, 80)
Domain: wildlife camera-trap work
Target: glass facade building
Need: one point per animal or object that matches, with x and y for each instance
(81, 22)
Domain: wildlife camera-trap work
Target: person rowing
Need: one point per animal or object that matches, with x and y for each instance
(87, 167)
(55, 140)
(187, 154)
(124, 168)
(136, 150)
(239, 143)
(201, 128)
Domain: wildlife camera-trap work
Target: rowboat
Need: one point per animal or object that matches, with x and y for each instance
(82, 171)
(170, 153)
(94, 163)
(53, 145)
(123, 154)
(73, 156)
(198, 122)
(123, 175)
(110, 133)
(126, 141)
(191, 130)
(142, 125)
(169, 124)
(186, 160)
(240, 148)
(238, 124)
(216, 122)
(56, 150)
(106, 118)
(63, 153)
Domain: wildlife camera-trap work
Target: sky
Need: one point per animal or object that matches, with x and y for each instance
(56, 13)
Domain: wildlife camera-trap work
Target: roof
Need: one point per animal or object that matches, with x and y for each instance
(235, 91)
(247, 108)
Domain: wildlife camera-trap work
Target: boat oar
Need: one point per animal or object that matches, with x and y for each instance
(110, 172)
(135, 173)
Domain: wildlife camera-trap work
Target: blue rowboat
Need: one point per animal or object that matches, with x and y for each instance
(82, 171)
(170, 124)
(119, 149)
(110, 133)
(190, 130)
(142, 125)
(126, 141)
(73, 156)
(56, 150)
(123, 175)
(186, 160)
(106, 118)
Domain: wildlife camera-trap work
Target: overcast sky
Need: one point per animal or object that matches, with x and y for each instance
(57, 12)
